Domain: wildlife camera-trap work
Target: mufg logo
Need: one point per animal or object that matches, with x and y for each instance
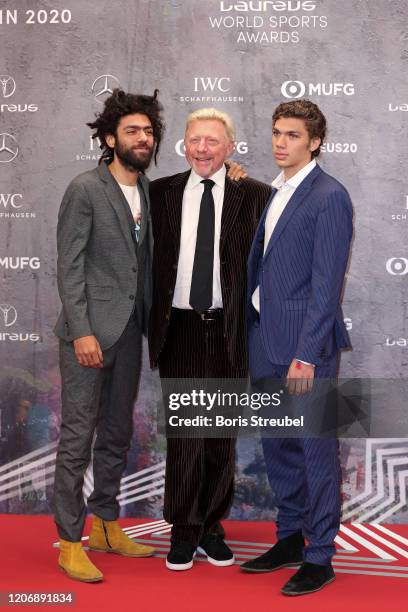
(298, 89)
(397, 266)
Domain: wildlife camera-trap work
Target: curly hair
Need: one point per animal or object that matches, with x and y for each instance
(120, 104)
(311, 114)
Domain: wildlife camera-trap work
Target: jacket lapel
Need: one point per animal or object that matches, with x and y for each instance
(291, 207)
(233, 197)
(257, 249)
(119, 204)
(173, 199)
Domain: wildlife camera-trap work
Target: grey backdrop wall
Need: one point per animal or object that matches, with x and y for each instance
(58, 62)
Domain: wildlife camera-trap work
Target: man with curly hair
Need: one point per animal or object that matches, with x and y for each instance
(104, 241)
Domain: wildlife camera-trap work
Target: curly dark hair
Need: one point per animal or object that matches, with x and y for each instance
(313, 117)
(120, 104)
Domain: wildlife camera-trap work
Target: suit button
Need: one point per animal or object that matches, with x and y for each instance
(174, 266)
(170, 291)
(134, 269)
(131, 297)
(167, 317)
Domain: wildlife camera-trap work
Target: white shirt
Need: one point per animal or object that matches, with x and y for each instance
(132, 195)
(189, 221)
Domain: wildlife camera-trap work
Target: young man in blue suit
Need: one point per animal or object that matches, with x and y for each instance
(296, 272)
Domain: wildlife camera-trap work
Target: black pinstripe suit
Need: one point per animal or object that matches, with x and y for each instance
(199, 473)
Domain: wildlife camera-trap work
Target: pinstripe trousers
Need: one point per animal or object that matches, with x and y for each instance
(304, 473)
(199, 482)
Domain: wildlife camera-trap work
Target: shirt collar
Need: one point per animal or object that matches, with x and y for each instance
(296, 179)
(218, 178)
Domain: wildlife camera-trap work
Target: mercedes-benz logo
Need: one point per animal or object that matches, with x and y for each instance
(103, 86)
(7, 85)
(8, 148)
(9, 314)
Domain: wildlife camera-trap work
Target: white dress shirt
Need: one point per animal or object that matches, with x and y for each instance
(189, 221)
(286, 189)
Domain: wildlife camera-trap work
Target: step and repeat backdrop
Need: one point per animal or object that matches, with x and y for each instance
(60, 60)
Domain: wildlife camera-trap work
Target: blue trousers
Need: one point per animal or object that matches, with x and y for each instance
(304, 473)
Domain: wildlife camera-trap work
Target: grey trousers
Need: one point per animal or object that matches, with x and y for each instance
(95, 401)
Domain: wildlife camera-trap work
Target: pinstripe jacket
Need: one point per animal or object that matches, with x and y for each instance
(103, 274)
(243, 204)
(301, 274)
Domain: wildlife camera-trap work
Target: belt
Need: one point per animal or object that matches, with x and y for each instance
(213, 314)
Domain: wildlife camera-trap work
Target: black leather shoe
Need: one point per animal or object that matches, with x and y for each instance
(287, 552)
(308, 579)
(180, 556)
(216, 550)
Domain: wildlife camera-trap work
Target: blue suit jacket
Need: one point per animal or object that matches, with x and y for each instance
(302, 272)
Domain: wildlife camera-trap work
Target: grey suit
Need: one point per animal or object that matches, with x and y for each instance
(104, 283)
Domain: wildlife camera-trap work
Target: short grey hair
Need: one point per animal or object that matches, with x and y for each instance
(213, 113)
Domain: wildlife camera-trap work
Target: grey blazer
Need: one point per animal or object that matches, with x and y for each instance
(103, 274)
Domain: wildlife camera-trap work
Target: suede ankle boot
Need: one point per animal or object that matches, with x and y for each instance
(74, 561)
(107, 536)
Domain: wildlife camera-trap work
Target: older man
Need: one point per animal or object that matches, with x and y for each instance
(203, 225)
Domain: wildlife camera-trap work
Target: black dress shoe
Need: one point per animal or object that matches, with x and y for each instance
(287, 552)
(308, 579)
(180, 556)
(216, 550)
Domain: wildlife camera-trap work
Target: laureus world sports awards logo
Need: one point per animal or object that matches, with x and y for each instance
(7, 86)
(7, 90)
(268, 22)
(8, 315)
(8, 318)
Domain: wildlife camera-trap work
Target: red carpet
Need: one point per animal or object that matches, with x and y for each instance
(29, 564)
